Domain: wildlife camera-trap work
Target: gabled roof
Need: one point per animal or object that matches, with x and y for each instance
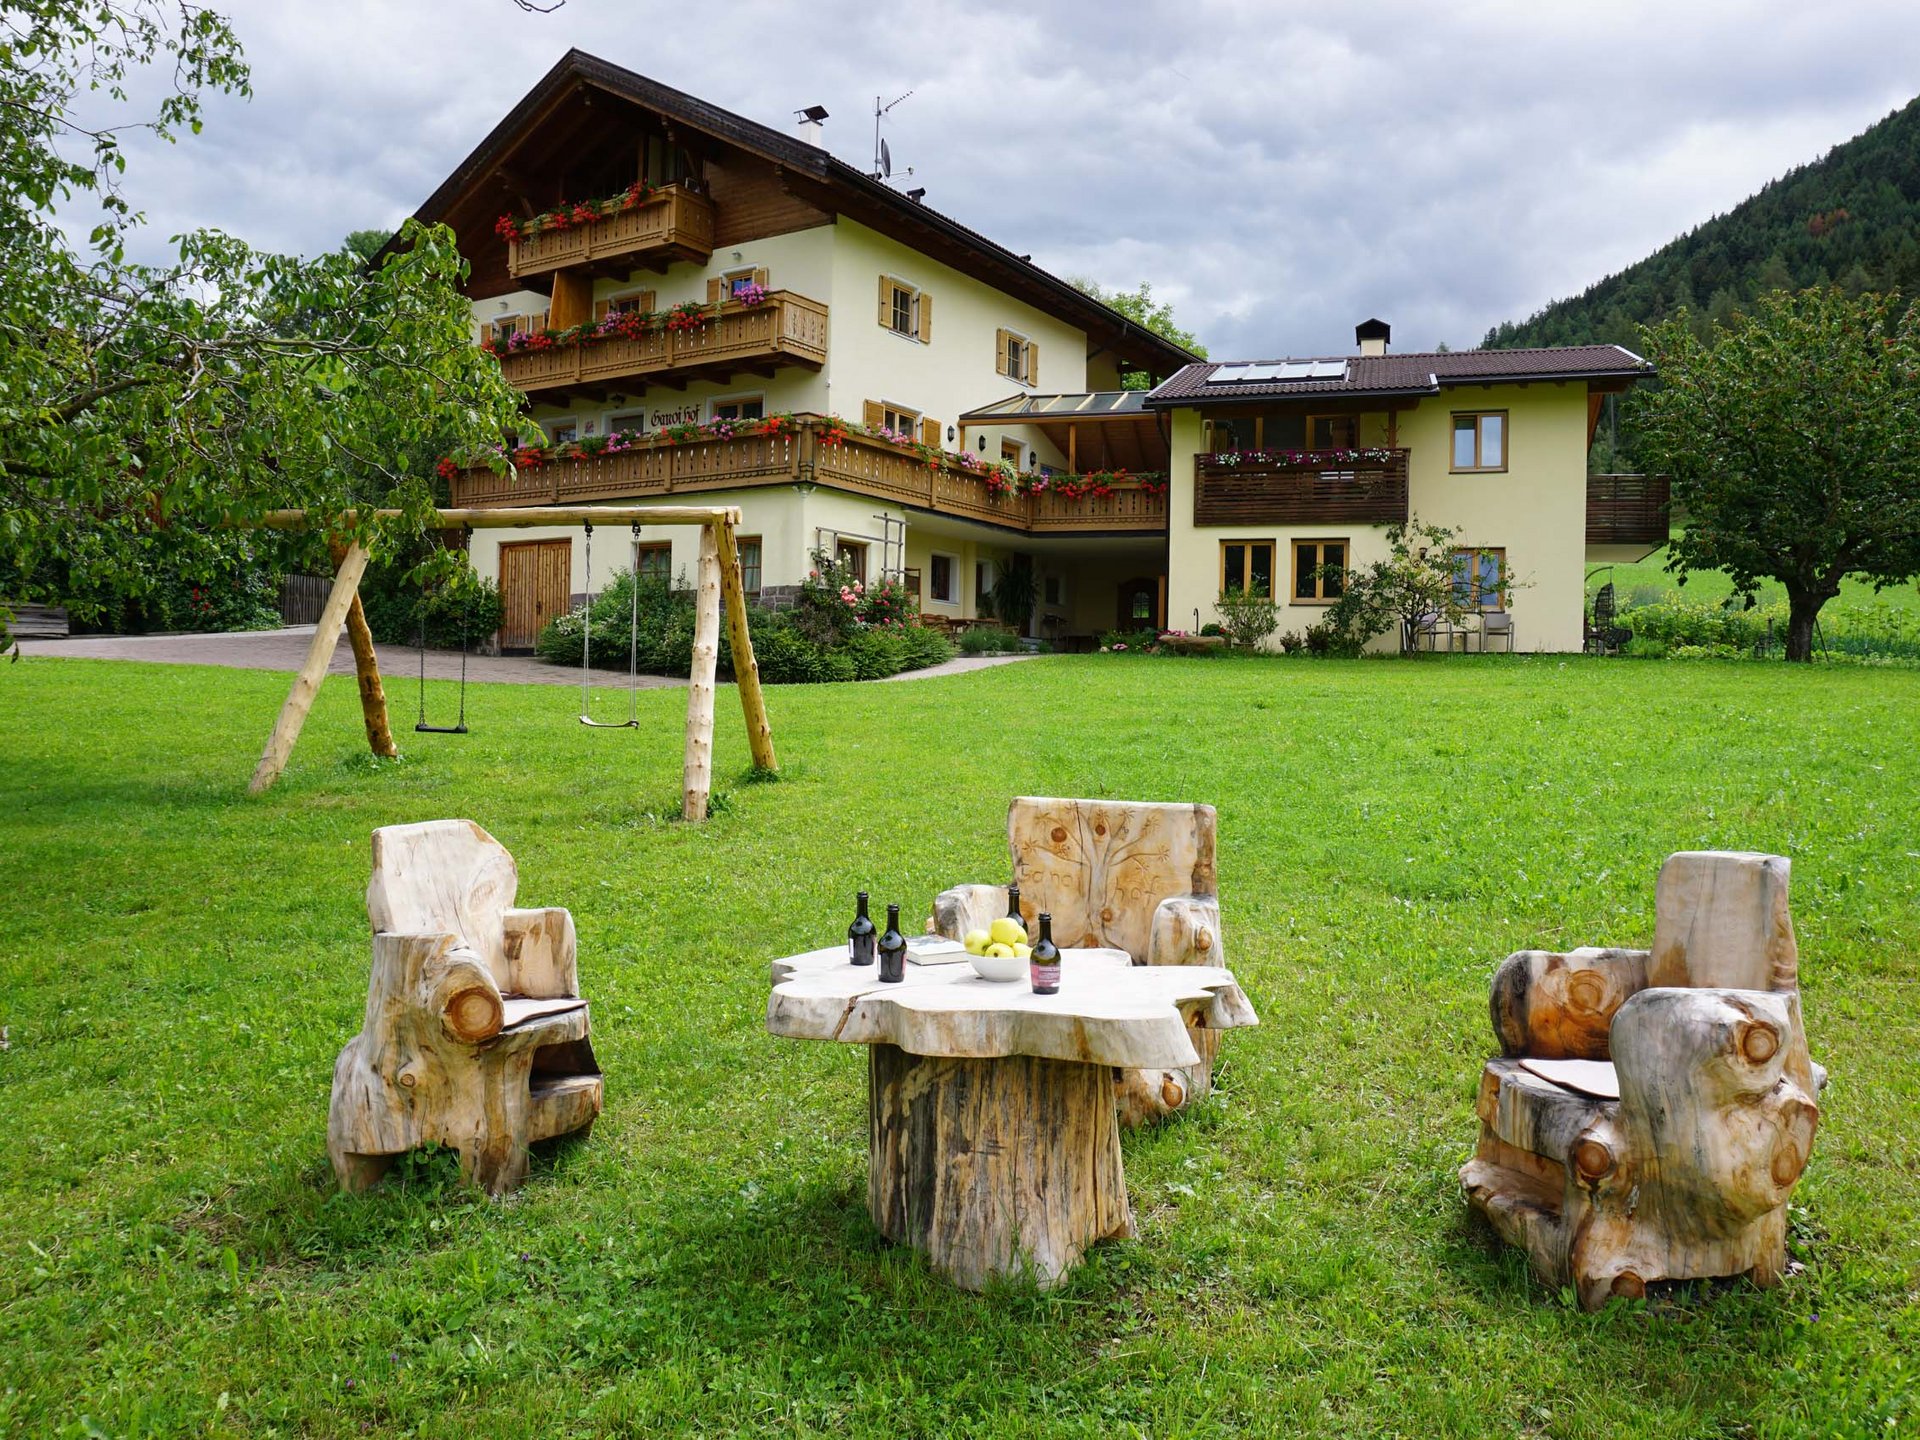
(1410, 374)
(833, 184)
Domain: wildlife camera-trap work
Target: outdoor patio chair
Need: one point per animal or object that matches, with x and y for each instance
(1129, 875)
(1603, 636)
(1496, 625)
(1428, 631)
(475, 1035)
(1652, 1111)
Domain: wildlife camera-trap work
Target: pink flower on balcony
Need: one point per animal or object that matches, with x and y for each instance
(751, 293)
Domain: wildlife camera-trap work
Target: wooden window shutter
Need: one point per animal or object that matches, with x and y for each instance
(930, 433)
(876, 415)
(886, 301)
(1032, 376)
(761, 277)
(716, 289)
(538, 322)
(646, 300)
(600, 308)
(926, 318)
(1000, 338)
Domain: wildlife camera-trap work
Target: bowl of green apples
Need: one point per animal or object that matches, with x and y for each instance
(999, 952)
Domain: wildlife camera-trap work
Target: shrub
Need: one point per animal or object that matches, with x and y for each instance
(471, 607)
(1132, 641)
(1212, 627)
(988, 640)
(1247, 617)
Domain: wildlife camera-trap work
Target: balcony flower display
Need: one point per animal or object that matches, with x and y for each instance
(1302, 459)
(573, 214)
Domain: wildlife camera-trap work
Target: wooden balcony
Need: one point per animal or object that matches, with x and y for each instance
(1308, 492)
(1628, 509)
(786, 329)
(670, 225)
(858, 465)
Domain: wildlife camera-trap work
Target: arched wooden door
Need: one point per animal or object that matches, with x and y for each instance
(1139, 604)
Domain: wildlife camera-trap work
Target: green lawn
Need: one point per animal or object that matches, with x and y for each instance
(1651, 575)
(180, 965)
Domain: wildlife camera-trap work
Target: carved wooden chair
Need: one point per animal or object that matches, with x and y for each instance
(1127, 875)
(1652, 1110)
(475, 1034)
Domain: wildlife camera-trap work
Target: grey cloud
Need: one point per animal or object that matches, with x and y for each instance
(1277, 172)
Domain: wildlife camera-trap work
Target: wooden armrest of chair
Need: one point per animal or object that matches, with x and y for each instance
(966, 907)
(1553, 1006)
(1186, 931)
(540, 950)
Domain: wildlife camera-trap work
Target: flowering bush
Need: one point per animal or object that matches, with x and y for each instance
(1371, 455)
(573, 214)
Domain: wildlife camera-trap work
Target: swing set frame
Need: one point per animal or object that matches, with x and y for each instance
(718, 588)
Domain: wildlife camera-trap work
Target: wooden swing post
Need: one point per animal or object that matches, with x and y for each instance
(719, 587)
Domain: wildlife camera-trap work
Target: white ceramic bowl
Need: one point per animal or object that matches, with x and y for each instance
(998, 967)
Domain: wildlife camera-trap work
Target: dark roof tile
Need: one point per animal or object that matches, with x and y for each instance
(1411, 373)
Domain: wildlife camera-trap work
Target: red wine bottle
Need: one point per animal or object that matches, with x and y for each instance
(893, 949)
(1045, 961)
(860, 936)
(1013, 905)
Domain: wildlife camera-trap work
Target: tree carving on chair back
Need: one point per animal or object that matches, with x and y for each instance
(1124, 875)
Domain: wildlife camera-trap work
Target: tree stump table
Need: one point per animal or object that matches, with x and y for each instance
(993, 1144)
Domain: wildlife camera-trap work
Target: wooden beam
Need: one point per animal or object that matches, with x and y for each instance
(697, 774)
(366, 669)
(746, 669)
(293, 714)
(521, 517)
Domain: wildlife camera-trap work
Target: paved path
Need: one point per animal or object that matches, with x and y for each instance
(286, 649)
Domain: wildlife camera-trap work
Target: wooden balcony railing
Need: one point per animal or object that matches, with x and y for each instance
(1628, 509)
(857, 464)
(785, 329)
(670, 225)
(1311, 491)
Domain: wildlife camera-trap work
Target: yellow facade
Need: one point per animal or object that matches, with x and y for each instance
(1534, 510)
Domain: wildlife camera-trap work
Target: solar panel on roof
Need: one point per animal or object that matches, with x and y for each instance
(1279, 370)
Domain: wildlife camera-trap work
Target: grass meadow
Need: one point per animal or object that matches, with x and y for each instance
(179, 965)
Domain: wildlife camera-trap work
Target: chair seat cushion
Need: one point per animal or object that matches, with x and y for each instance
(1534, 1114)
(518, 1010)
(1596, 1078)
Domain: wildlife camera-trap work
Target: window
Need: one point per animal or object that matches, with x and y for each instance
(749, 563)
(906, 310)
(741, 407)
(1480, 441)
(1236, 432)
(1053, 590)
(942, 578)
(1247, 565)
(1010, 453)
(654, 562)
(1141, 607)
(1311, 586)
(853, 555)
(1477, 577)
(634, 303)
(501, 330)
(1018, 358)
(734, 281)
(630, 420)
(1333, 432)
(982, 582)
(564, 432)
(885, 415)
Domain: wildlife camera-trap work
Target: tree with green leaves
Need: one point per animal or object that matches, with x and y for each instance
(1420, 577)
(146, 406)
(1140, 307)
(1793, 440)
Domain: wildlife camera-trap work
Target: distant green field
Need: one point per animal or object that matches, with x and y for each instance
(1650, 579)
(179, 965)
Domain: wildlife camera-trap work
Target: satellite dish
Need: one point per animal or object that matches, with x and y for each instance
(886, 161)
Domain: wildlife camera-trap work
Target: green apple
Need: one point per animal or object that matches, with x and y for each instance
(1008, 931)
(1023, 952)
(977, 942)
(1002, 952)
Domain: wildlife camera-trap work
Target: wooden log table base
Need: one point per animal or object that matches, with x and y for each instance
(993, 1137)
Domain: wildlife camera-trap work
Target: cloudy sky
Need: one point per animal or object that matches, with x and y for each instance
(1278, 171)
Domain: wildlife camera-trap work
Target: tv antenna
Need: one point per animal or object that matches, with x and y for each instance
(882, 156)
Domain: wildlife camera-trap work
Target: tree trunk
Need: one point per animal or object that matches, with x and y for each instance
(1803, 608)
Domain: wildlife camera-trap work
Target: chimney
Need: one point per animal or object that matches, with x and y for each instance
(1372, 336)
(810, 123)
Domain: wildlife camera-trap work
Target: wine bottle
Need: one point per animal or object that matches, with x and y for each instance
(893, 949)
(1045, 961)
(860, 936)
(1013, 905)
